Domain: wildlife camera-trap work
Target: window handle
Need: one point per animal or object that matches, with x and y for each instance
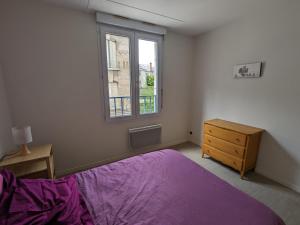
(161, 98)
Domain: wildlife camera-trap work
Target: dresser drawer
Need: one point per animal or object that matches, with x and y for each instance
(223, 157)
(227, 147)
(233, 137)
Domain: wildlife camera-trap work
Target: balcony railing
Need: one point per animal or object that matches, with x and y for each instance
(121, 106)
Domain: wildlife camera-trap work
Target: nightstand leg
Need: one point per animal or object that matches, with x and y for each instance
(50, 168)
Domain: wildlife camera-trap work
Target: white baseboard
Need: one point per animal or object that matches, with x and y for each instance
(280, 180)
(173, 143)
(194, 140)
(60, 173)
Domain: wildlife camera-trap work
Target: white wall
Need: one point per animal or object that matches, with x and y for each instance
(50, 58)
(6, 143)
(271, 102)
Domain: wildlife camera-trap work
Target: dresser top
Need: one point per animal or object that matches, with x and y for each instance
(241, 128)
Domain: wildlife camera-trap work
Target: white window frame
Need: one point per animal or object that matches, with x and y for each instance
(133, 36)
(159, 40)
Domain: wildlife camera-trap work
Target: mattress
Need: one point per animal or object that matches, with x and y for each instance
(166, 188)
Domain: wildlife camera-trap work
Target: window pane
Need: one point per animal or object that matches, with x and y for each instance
(118, 64)
(148, 99)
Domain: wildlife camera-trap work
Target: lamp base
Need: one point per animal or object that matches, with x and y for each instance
(24, 150)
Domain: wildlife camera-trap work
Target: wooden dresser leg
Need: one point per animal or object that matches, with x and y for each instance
(242, 174)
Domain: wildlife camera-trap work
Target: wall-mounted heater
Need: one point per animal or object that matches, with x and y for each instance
(142, 137)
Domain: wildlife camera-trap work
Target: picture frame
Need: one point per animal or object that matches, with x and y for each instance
(249, 70)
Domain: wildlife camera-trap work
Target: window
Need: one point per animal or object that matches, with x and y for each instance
(131, 72)
(148, 102)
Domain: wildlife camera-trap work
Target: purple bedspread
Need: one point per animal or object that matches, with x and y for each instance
(166, 188)
(41, 201)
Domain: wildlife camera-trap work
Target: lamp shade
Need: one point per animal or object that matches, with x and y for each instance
(22, 135)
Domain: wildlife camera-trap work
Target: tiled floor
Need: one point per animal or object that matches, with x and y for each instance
(282, 200)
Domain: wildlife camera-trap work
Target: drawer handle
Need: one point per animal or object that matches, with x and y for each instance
(236, 151)
(209, 131)
(237, 139)
(234, 163)
(209, 141)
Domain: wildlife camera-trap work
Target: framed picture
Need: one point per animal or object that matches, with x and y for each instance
(250, 70)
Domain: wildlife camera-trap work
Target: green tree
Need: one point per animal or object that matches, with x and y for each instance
(150, 80)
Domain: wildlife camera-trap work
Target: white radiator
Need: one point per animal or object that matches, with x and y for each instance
(145, 136)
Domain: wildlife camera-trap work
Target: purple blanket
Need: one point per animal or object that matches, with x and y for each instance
(165, 188)
(41, 201)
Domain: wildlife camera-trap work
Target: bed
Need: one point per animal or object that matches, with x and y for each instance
(158, 188)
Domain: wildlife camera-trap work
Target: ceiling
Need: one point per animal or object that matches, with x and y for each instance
(190, 17)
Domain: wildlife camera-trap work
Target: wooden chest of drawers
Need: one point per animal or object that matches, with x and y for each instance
(233, 144)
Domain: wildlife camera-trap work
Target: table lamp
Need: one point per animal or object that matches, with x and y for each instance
(22, 136)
